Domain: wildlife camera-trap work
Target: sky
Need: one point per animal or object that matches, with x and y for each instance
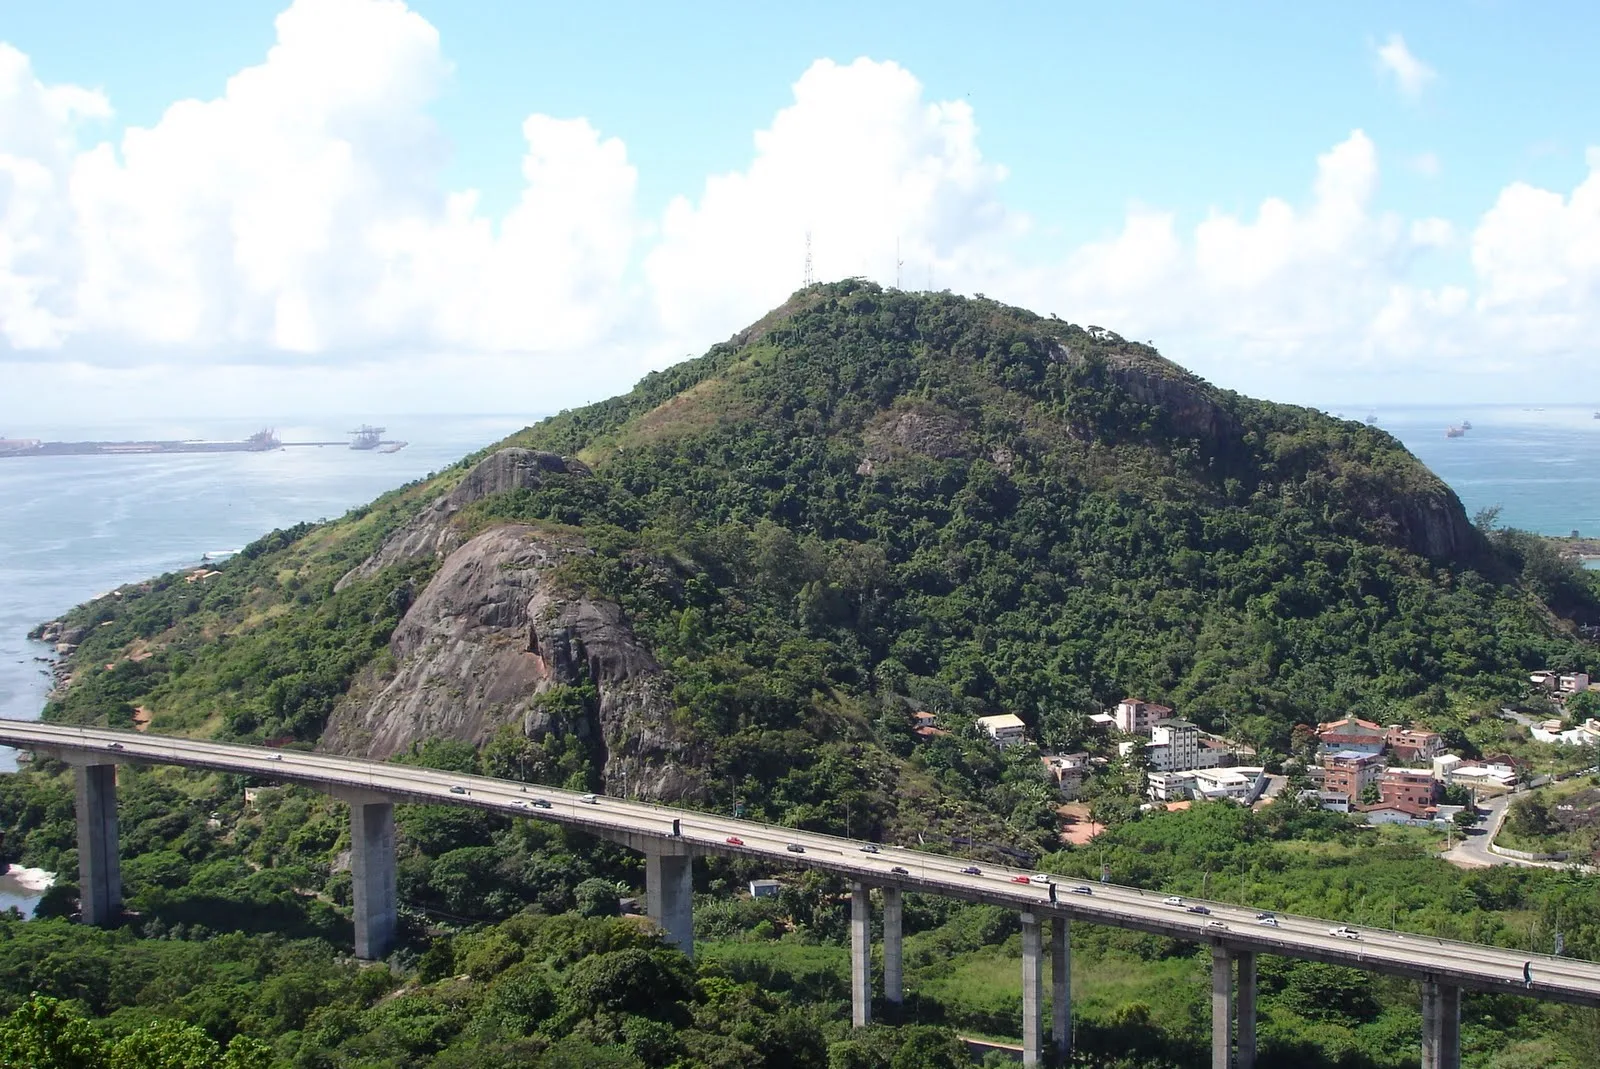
(252, 209)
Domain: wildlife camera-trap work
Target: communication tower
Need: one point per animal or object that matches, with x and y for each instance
(809, 279)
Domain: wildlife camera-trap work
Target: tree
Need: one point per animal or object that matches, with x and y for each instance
(47, 1033)
(1466, 819)
(597, 898)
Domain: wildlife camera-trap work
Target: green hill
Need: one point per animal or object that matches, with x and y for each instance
(735, 582)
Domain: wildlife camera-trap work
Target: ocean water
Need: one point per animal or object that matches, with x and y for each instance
(1541, 465)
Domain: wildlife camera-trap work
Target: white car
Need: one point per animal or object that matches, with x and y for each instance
(589, 799)
(1216, 926)
(1267, 922)
(1344, 931)
(1040, 878)
(1172, 900)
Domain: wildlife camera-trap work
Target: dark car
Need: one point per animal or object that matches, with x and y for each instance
(898, 871)
(458, 789)
(542, 803)
(1200, 909)
(1266, 915)
(1083, 889)
(972, 870)
(795, 848)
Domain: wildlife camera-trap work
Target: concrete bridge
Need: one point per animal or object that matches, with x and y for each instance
(670, 839)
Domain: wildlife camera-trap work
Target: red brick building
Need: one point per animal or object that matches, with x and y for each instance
(1350, 773)
(1411, 786)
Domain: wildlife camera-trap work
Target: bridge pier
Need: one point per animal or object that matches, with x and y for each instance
(99, 864)
(893, 977)
(1032, 990)
(1441, 1026)
(669, 896)
(1061, 988)
(1221, 1008)
(1245, 1006)
(372, 872)
(860, 955)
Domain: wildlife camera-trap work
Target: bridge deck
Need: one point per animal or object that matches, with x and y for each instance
(1469, 965)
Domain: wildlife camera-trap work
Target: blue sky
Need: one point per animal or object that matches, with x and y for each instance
(1418, 273)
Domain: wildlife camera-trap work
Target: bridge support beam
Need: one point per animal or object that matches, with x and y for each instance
(99, 866)
(893, 977)
(372, 872)
(860, 955)
(1221, 1008)
(1032, 990)
(1441, 1026)
(669, 896)
(1245, 1006)
(1061, 988)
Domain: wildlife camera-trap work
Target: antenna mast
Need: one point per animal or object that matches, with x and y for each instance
(898, 263)
(809, 279)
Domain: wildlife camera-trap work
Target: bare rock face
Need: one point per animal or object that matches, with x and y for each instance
(430, 533)
(1434, 524)
(491, 632)
(926, 431)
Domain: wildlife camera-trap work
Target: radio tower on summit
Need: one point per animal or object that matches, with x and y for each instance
(809, 279)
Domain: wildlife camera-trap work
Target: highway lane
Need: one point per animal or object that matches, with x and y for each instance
(1128, 907)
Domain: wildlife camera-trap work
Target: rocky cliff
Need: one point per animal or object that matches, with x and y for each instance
(430, 532)
(493, 630)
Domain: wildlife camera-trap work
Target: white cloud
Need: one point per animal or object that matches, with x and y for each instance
(298, 220)
(1410, 73)
(860, 160)
(300, 212)
(1426, 164)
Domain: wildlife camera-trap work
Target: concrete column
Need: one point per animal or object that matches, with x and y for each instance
(669, 897)
(372, 866)
(1061, 988)
(1441, 1026)
(860, 956)
(1221, 1008)
(1032, 990)
(1246, 1009)
(893, 981)
(99, 866)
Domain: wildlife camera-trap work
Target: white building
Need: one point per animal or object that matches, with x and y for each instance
(1242, 785)
(1443, 765)
(1477, 774)
(1068, 770)
(1137, 717)
(1174, 746)
(1004, 729)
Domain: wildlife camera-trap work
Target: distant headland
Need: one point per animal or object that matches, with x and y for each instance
(265, 440)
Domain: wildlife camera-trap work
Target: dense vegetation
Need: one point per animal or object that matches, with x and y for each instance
(871, 501)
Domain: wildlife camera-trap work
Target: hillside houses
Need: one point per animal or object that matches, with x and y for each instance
(1358, 758)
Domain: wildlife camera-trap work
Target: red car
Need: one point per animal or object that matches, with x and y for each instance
(1020, 879)
(734, 840)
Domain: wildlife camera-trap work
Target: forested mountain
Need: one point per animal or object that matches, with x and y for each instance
(737, 580)
(731, 587)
